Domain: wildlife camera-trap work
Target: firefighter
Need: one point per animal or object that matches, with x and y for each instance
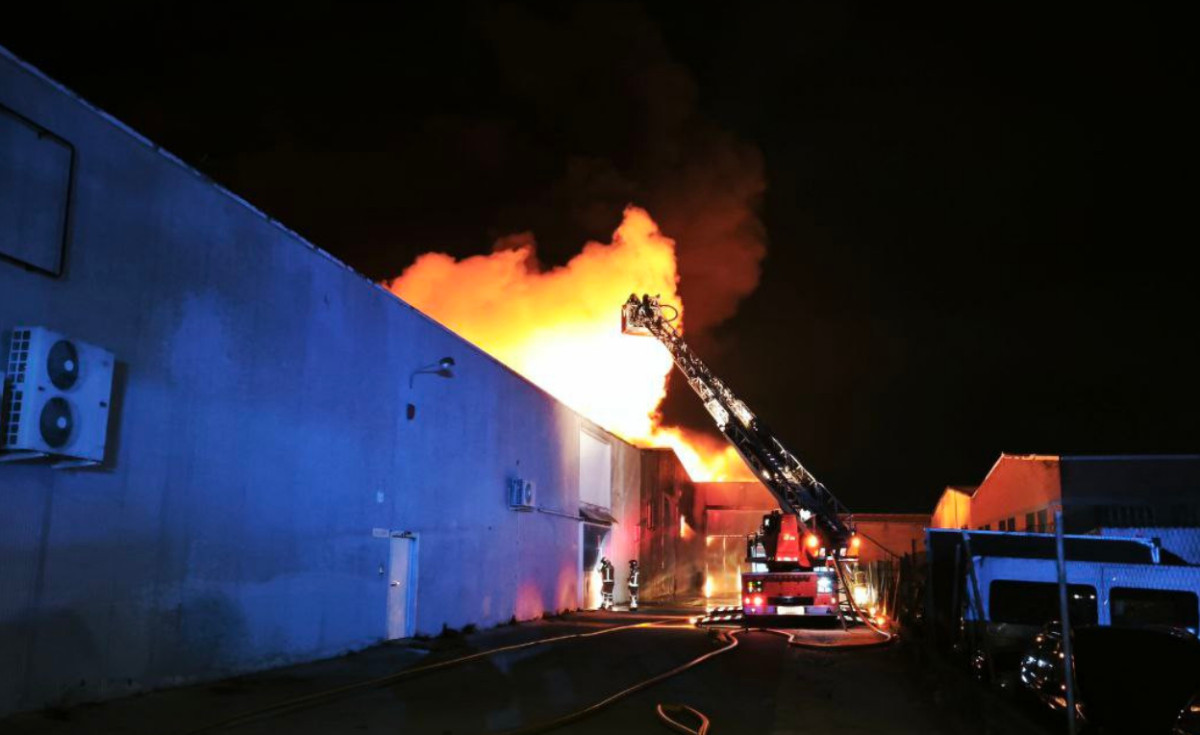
(606, 576)
(633, 584)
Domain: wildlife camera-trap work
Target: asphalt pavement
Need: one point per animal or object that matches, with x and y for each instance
(763, 685)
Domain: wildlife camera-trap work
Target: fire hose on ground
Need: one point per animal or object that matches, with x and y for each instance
(731, 642)
(665, 712)
(317, 698)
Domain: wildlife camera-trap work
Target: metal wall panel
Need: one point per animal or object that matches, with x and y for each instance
(35, 185)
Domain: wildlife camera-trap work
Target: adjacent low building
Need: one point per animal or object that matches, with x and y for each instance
(953, 509)
(1131, 544)
(1022, 492)
(1143, 496)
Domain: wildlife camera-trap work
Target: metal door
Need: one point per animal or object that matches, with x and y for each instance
(402, 593)
(593, 546)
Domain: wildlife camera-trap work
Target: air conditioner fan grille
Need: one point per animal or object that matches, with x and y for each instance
(18, 360)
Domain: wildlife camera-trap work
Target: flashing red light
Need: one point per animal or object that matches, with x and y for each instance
(758, 600)
(746, 601)
(811, 541)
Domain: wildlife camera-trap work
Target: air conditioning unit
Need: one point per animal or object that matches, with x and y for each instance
(56, 398)
(520, 494)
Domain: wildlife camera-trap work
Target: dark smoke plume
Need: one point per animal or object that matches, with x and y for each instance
(624, 116)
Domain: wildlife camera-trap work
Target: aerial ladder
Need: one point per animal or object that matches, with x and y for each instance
(796, 558)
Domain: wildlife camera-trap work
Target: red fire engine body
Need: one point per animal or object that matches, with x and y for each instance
(796, 577)
(794, 557)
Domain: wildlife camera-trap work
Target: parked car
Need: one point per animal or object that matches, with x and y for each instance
(1128, 679)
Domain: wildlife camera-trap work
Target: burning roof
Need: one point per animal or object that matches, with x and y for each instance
(560, 328)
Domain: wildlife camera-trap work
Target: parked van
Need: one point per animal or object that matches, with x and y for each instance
(1016, 597)
(1025, 592)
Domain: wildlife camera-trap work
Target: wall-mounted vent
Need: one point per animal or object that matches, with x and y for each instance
(14, 384)
(520, 494)
(56, 398)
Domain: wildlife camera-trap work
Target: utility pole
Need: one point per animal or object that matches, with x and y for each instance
(1068, 658)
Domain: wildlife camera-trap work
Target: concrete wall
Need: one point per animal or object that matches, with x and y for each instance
(887, 536)
(752, 496)
(260, 434)
(667, 547)
(953, 509)
(1016, 485)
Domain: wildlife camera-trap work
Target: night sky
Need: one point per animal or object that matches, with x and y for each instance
(978, 228)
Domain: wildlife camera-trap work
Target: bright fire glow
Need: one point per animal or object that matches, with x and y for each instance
(704, 457)
(560, 328)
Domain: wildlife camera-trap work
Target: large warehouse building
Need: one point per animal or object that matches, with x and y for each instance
(1154, 496)
(291, 469)
(290, 463)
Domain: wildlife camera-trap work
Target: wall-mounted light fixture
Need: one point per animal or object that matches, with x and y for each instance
(440, 368)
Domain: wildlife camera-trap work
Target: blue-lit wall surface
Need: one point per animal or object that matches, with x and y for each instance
(260, 437)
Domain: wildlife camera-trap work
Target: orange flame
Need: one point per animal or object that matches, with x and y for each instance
(706, 458)
(560, 328)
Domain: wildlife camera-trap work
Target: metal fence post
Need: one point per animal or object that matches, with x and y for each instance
(930, 600)
(980, 629)
(1064, 611)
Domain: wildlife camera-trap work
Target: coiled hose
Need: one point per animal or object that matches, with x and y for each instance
(664, 712)
(730, 638)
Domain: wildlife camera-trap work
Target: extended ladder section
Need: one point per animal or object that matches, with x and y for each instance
(796, 490)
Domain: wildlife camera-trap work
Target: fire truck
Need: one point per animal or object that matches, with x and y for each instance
(804, 555)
